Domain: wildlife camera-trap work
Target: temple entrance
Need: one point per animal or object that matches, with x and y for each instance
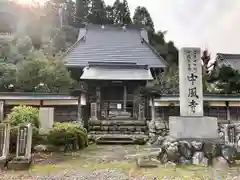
(115, 102)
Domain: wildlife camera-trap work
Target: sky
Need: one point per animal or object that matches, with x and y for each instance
(212, 24)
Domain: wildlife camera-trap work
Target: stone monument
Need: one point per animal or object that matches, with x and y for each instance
(24, 145)
(4, 143)
(191, 124)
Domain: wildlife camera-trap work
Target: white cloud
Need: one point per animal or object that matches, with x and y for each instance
(213, 24)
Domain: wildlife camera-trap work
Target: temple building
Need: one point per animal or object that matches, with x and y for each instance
(232, 60)
(114, 61)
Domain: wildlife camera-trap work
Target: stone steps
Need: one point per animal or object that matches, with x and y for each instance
(119, 142)
(117, 122)
(118, 131)
(117, 138)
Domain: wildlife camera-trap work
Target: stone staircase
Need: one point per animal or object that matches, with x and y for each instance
(118, 131)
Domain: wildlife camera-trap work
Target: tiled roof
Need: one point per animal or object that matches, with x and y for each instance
(232, 60)
(112, 44)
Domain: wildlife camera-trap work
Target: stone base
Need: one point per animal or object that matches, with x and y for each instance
(201, 153)
(3, 163)
(19, 164)
(193, 128)
(144, 162)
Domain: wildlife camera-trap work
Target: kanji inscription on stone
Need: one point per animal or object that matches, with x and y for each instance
(190, 78)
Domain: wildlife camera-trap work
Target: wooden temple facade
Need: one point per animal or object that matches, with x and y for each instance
(114, 61)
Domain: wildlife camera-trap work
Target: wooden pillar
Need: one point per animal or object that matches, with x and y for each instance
(98, 101)
(1, 111)
(153, 114)
(228, 112)
(79, 114)
(125, 98)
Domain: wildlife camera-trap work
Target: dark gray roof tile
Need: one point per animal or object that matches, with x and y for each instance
(112, 44)
(232, 60)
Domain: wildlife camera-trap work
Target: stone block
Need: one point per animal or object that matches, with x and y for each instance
(144, 162)
(186, 127)
(220, 163)
(19, 164)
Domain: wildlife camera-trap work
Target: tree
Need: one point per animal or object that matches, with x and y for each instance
(168, 80)
(39, 73)
(109, 15)
(228, 80)
(7, 75)
(97, 13)
(121, 12)
(82, 10)
(143, 17)
(70, 12)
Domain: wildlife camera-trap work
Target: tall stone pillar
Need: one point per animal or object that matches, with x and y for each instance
(141, 111)
(153, 113)
(1, 111)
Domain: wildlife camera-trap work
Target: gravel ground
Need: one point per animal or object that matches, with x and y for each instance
(101, 155)
(102, 174)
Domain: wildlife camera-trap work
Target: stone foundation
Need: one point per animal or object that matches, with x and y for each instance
(19, 164)
(198, 152)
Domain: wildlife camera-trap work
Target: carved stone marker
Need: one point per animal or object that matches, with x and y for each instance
(190, 82)
(24, 142)
(93, 111)
(191, 123)
(4, 143)
(24, 145)
(141, 112)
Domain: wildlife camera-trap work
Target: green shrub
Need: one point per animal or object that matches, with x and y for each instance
(68, 134)
(19, 115)
(24, 114)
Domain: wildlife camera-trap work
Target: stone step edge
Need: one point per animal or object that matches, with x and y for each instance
(115, 142)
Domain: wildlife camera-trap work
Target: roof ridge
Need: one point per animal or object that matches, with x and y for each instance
(155, 51)
(74, 45)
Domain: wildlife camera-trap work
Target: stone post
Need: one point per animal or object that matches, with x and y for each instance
(141, 111)
(24, 142)
(1, 111)
(4, 141)
(153, 113)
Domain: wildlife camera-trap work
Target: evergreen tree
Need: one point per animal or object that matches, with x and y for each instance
(121, 12)
(82, 10)
(109, 15)
(70, 12)
(97, 13)
(142, 17)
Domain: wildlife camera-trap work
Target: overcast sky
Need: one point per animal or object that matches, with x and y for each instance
(212, 24)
